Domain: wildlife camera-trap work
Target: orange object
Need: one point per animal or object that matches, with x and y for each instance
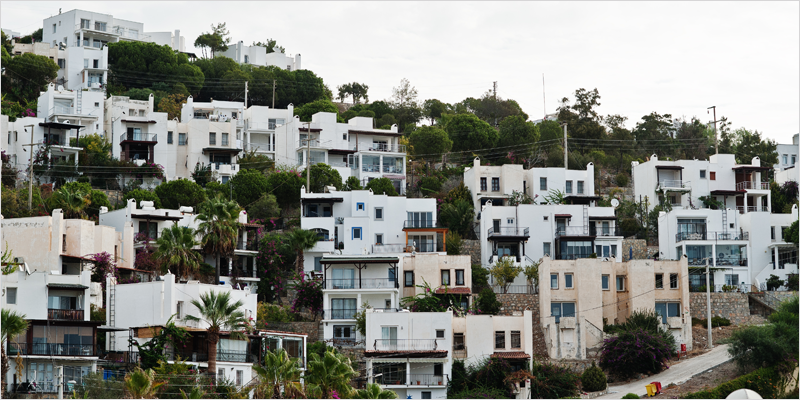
(658, 386)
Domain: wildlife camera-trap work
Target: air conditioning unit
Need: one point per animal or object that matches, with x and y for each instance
(19, 260)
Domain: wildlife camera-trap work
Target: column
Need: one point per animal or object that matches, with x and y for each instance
(775, 264)
(745, 207)
(714, 256)
(358, 301)
(369, 370)
(408, 372)
(80, 43)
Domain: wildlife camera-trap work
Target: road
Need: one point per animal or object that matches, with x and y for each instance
(676, 374)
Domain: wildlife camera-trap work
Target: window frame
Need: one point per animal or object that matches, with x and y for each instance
(499, 338)
(212, 138)
(607, 279)
(377, 209)
(438, 331)
(569, 283)
(580, 187)
(556, 281)
(483, 184)
(676, 280)
(10, 290)
(445, 273)
(617, 280)
(703, 174)
(353, 233)
(182, 139)
(659, 281)
(169, 137)
(378, 238)
(406, 274)
(712, 175)
(460, 273)
(542, 183)
(359, 206)
(568, 187)
(495, 184)
(518, 336)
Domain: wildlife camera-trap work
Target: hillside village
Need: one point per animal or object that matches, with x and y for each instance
(225, 225)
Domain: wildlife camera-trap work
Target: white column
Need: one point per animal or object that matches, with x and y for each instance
(369, 371)
(775, 264)
(745, 202)
(358, 301)
(408, 372)
(80, 44)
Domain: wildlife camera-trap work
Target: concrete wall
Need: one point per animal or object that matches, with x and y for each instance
(429, 267)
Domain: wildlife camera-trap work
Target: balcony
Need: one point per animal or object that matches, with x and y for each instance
(369, 283)
(401, 379)
(69, 315)
(732, 261)
(236, 356)
(54, 349)
(305, 143)
(743, 209)
(574, 256)
(224, 169)
(681, 236)
(405, 345)
(572, 231)
(392, 169)
(508, 232)
(61, 110)
(748, 185)
(422, 224)
(426, 247)
(390, 148)
(389, 248)
(138, 137)
(669, 184)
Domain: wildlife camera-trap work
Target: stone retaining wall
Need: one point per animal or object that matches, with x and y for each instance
(312, 329)
(774, 299)
(473, 249)
(518, 303)
(733, 306)
(639, 247)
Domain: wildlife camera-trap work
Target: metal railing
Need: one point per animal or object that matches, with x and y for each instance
(138, 137)
(460, 351)
(720, 288)
(400, 378)
(615, 231)
(743, 209)
(572, 231)
(427, 380)
(735, 261)
(55, 349)
(681, 236)
(371, 168)
(355, 283)
(574, 256)
(749, 185)
(340, 313)
(422, 223)
(245, 245)
(72, 315)
(60, 110)
(404, 344)
(511, 289)
(392, 148)
(427, 247)
(388, 248)
(234, 356)
(305, 143)
(392, 169)
(669, 183)
(509, 231)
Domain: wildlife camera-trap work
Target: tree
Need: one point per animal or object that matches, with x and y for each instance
(219, 312)
(12, 325)
(301, 240)
(26, 75)
(219, 227)
(374, 391)
(180, 192)
(532, 274)
(266, 207)
(517, 138)
(458, 216)
(215, 41)
(487, 302)
(504, 272)
(277, 376)
(329, 375)
(248, 186)
(141, 384)
(430, 143)
(322, 105)
(470, 133)
(172, 105)
(175, 249)
(352, 183)
(433, 109)
(323, 175)
(355, 89)
(6, 43)
(258, 162)
(790, 235)
(406, 107)
(285, 185)
(382, 186)
(271, 45)
(134, 64)
(73, 200)
(143, 195)
(750, 144)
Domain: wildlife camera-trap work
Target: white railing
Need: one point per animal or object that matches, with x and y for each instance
(391, 148)
(668, 183)
(748, 185)
(61, 110)
(304, 143)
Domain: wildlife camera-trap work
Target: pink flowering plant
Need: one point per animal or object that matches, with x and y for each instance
(309, 294)
(273, 266)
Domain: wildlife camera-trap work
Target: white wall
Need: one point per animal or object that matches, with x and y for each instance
(479, 334)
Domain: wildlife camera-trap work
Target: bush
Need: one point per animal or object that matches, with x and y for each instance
(453, 244)
(551, 381)
(630, 396)
(765, 381)
(268, 312)
(774, 282)
(621, 179)
(429, 185)
(141, 194)
(792, 282)
(180, 192)
(635, 351)
(720, 321)
(774, 344)
(480, 276)
(650, 321)
(487, 302)
(593, 379)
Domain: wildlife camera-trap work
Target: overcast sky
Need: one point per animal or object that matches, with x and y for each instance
(668, 57)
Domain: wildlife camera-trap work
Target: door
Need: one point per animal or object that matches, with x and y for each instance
(389, 337)
(343, 278)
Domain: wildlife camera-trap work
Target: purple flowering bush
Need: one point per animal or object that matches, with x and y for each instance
(309, 294)
(635, 351)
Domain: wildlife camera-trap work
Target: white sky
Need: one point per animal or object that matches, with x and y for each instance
(669, 57)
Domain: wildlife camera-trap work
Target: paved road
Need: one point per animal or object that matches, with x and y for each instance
(676, 374)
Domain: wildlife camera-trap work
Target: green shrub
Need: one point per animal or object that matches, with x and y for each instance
(650, 321)
(453, 244)
(720, 321)
(774, 344)
(487, 302)
(792, 282)
(765, 381)
(429, 185)
(621, 179)
(553, 382)
(268, 312)
(593, 379)
(635, 351)
(630, 396)
(774, 282)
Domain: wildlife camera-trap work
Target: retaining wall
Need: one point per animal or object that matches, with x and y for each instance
(774, 299)
(733, 306)
(473, 249)
(310, 328)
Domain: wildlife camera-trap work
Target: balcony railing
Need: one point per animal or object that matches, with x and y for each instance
(245, 245)
(371, 168)
(55, 349)
(681, 236)
(138, 137)
(421, 224)
(71, 315)
(405, 344)
(572, 231)
(510, 289)
(734, 261)
(509, 231)
(672, 184)
(392, 169)
(460, 352)
(388, 248)
(355, 283)
(391, 148)
(743, 209)
(748, 185)
(234, 356)
(720, 288)
(305, 143)
(616, 231)
(574, 256)
(400, 378)
(340, 313)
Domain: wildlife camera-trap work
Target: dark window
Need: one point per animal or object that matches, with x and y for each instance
(317, 264)
(605, 282)
(516, 343)
(713, 175)
(426, 395)
(458, 341)
(181, 139)
(409, 280)
(542, 183)
(659, 281)
(440, 333)
(569, 187)
(437, 369)
(483, 184)
(673, 281)
(446, 277)
(500, 339)
(212, 138)
(379, 213)
(169, 137)
(379, 238)
(459, 277)
(495, 184)
(580, 187)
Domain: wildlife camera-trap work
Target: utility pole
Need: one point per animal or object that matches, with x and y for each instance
(60, 382)
(308, 157)
(708, 305)
(495, 103)
(245, 95)
(566, 165)
(30, 171)
(273, 93)
(716, 140)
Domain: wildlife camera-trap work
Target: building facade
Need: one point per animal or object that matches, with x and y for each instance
(787, 154)
(257, 55)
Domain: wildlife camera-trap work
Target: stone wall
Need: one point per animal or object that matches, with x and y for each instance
(312, 329)
(733, 306)
(518, 303)
(473, 249)
(774, 299)
(639, 247)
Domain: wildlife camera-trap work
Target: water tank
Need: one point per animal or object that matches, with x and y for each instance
(145, 203)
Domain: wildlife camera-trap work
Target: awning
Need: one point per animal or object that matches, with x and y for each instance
(603, 217)
(672, 167)
(563, 216)
(66, 286)
(395, 177)
(60, 125)
(111, 328)
(750, 168)
(133, 121)
(312, 129)
(360, 260)
(77, 258)
(341, 151)
(383, 133)
(322, 200)
(453, 290)
(728, 192)
(221, 150)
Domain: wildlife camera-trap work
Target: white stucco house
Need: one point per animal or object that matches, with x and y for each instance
(787, 154)
(257, 55)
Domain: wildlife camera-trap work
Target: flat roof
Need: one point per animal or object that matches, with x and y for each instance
(383, 133)
(155, 217)
(60, 125)
(66, 286)
(675, 167)
(750, 168)
(362, 260)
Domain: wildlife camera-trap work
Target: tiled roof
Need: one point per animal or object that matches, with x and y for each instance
(511, 354)
(453, 290)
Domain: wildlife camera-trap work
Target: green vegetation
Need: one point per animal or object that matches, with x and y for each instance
(774, 344)
(767, 382)
(593, 379)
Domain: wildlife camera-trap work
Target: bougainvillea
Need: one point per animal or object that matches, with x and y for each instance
(309, 294)
(633, 352)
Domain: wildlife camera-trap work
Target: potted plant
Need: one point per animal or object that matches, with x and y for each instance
(417, 382)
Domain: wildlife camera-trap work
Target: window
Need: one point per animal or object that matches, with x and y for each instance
(673, 281)
(732, 279)
(54, 28)
(568, 281)
(659, 281)
(426, 395)
(84, 23)
(180, 310)
(317, 264)
(378, 238)
(580, 187)
(62, 63)
(559, 310)
(495, 184)
(169, 137)
(100, 26)
(359, 206)
(553, 281)
(667, 310)
(524, 186)
(500, 339)
(64, 243)
(459, 277)
(11, 295)
(712, 175)
(794, 159)
(546, 248)
(542, 183)
(379, 213)
(613, 250)
(95, 63)
(239, 377)
(224, 138)
(510, 221)
(568, 189)
(343, 308)
(356, 234)
(409, 279)
(212, 138)
(389, 335)
(440, 334)
(772, 232)
(85, 63)
(446, 277)
(702, 174)
(785, 158)
(605, 282)
(458, 341)
(438, 369)
(181, 139)
(483, 184)
(620, 283)
(516, 343)
(344, 333)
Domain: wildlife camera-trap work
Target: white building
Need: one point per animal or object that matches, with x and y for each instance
(445, 274)
(681, 183)
(742, 247)
(787, 154)
(528, 232)
(53, 290)
(362, 223)
(498, 183)
(409, 353)
(257, 55)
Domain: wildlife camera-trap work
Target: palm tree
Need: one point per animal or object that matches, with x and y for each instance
(458, 216)
(219, 227)
(279, 371)
(374, 391)
(73, 201)
(12, 324)
(141, 384)
(175, 251)
(218, 312)
(327, 374)
(301, 240)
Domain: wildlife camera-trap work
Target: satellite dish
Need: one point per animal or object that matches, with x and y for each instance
(614, 203)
